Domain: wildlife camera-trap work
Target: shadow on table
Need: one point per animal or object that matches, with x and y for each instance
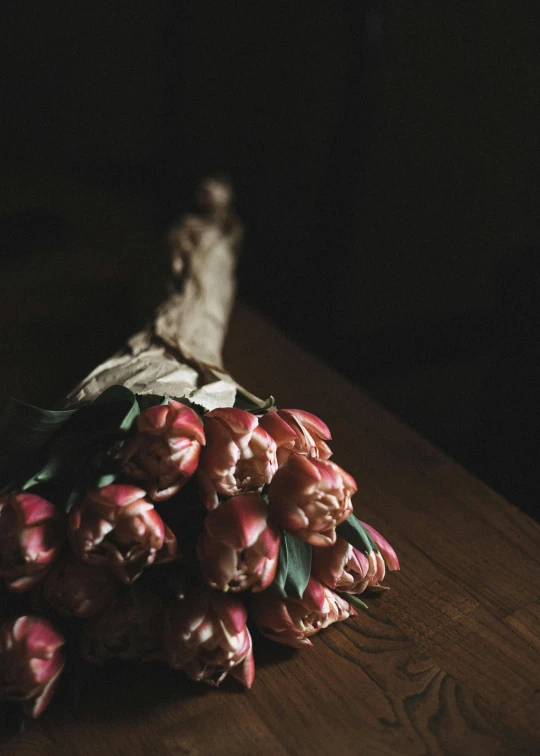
(121, 692)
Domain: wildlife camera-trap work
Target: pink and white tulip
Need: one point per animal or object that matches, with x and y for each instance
(293, 621)
(76, 589)
(30, 662)
(131, 629)
(116, 526)
(31, 536)
(310, 497)
(342, 567)
(206, 637)
(297, 432)
(239, 456)
(239, 548)
(165, 451)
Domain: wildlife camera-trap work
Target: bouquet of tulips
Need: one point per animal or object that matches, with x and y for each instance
(142, 528)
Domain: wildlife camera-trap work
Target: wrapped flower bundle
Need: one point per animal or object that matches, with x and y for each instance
(148, 527)
(244, 534)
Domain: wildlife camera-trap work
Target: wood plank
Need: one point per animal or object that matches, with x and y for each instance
(370, 689)
(526, 623)
(478, 649)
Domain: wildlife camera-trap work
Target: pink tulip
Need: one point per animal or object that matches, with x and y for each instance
(116, 526)
(77, 589)
(390, 556)
(164, 452)
(206, 637)
(297, 432)
(293, 621)
(239, 548)
(310, 497)
(31, 535)
(30, 662)
(239, 456)
(131, 628)
(343, 567)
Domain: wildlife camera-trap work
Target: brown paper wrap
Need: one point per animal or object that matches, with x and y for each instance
(180, 353)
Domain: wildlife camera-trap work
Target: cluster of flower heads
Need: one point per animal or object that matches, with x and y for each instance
(262, 477)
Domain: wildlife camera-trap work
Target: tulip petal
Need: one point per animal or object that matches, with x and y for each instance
(153, 419)
(239, 521)
(245, 671)
(168, 551)
(390, 556)
(237, 615)
(38, 705)
(311, 422)
(239, 421)
(35, 509)
(278, 428)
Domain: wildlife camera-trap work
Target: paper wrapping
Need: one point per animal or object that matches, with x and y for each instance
(180, 354)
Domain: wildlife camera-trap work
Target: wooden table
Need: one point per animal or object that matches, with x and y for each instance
(446, 662)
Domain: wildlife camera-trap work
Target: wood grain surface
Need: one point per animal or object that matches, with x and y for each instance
(446, 662)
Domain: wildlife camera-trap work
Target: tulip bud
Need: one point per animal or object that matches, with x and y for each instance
(131, 628)
(238, 548)
(343, 567)
(30, 662)
(77, 589)
(164, 452)
(31, 535)
(239, 456)
(310, 497)
(385, 553)
(206, 637)
(116, 526)
(293, 621)
(297, 432)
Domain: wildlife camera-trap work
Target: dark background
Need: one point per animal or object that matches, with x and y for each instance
(386, 163)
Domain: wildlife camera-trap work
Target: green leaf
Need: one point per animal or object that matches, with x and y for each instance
(354, 600)
(97, 440)
(294, 567)
(116, 396)
(278, 584)
(68, 451)
(352, 531)
(299, 566)
(94, 470)
(82, 452)
(106, 480)
(24, 431)
(146, 401)
(93, 429)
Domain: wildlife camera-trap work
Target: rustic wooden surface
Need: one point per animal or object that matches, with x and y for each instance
(446, 662)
